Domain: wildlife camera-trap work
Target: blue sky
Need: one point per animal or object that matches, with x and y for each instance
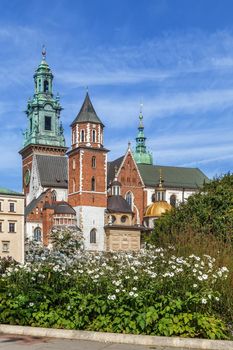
(176, 56)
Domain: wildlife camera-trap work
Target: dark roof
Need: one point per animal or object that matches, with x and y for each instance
(111, 168)
(29, 208)
(174, 177)
(87, 113)
(63, 208)
(117, 204)
(52, 170)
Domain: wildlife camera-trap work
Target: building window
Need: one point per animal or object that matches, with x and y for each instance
(82, 136)
(93, 136)
(37, 234)
(93, 162)
(11, 227)
(5, 246)
(0, 206)
(73, 164)
(39, 85)
(93, 184)
(129, 199)
(47, 123)
(153, 198)
(46, 86)
(12, 207)
(93, 236)
(0, 226)
(124, 219)
(113, 219)
(173, 200)
(54, 196)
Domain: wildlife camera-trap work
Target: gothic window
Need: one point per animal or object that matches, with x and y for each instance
(54, 196)
(93, 184)
(129, 199)
(93, 136)
(93, 162)
(47, 123)
(82, 136)
(173, 200)
(93, 236)
(73, 185)
(37, 234)
(46, 86)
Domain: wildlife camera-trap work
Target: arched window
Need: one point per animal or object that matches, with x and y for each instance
(93, 162)
(54, 196)
(113, 218)
(124, 219)
(37, 234)
(93, 236)
(73, 164)
(93, 136)
(93, 184)
(39, 85)
(46, 86)
(73, 185)
(129, 199)
(173, 200)
(82, 136)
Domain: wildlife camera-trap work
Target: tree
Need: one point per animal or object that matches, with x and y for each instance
(210, 211)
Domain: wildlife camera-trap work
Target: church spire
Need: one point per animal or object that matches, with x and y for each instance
(43, 110)
(141, 155)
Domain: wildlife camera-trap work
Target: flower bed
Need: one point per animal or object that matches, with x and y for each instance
(151, 292)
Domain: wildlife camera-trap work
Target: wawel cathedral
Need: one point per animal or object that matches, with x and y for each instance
(112, 203)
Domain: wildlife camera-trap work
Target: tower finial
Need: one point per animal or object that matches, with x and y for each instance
(116, 170)
(87, 89)
(43, 52)
(129, 144)
(160, 178)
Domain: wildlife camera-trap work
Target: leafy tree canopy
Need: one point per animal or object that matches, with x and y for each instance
(208, 212)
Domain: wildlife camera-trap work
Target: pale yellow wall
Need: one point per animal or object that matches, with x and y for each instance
(122, 239)
(16, 239)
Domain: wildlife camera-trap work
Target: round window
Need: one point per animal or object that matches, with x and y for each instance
(123, 218)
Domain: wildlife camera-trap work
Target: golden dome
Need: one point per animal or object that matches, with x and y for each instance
(157, 209)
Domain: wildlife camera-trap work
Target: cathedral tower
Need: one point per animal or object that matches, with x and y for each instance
(87, 191)
(44, 134)
(141, 155)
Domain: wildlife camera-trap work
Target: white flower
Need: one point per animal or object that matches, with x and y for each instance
(204, 301)
(134, 288)
(135, 278)
(131, 294)
(204, 277)
(217, 298)
(194, 285)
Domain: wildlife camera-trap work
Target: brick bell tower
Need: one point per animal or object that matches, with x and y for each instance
(87, 190)
(44, 134)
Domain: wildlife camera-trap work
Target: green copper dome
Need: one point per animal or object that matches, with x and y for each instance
(141, 155)
(43, 111)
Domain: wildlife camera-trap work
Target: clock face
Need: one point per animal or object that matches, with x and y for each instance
(27, 177)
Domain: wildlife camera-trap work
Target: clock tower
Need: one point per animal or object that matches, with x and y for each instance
(44, 134)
